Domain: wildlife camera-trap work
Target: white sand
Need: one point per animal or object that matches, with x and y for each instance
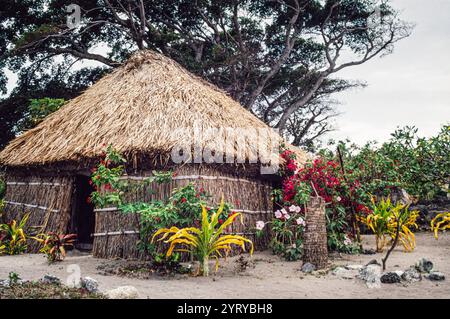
(270, 278)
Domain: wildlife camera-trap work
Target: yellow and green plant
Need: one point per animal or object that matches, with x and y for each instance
(383, 222)
(440, 222)
(13, 236)
(205, 241)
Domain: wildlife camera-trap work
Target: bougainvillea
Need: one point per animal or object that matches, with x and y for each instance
(342, 194)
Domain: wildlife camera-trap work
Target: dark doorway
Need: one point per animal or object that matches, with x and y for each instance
(84, 216)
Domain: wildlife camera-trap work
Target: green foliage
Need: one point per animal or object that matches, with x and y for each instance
(419, 165)
(2, 189)
(287, 231)
(38, 109)
(13, 278)
(13, 238)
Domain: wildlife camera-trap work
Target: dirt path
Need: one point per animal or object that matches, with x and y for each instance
(270, 277)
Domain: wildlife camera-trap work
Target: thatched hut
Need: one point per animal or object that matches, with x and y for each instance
(141, 108)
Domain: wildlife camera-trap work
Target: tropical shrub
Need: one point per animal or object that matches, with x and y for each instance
(13, 237)
(421, 166)
(342, 193)
(205, 241)
(440, 222)
(54, 245)
(287, 231)
(384, 220)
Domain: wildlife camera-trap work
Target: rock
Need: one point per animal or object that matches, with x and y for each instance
(390, 278)
(308, 268)
(4, 283)
(353, 267)
(411, 275)
(89, 284)
(49, 279)
(399, 272)
(371, 274)
(436, 276)
(424, 265)
(373, 262)
(344, 273)
(369, 251)
(399, 195)
(123, 292)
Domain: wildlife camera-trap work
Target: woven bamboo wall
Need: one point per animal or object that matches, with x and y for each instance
(117, 234)
(47, 199)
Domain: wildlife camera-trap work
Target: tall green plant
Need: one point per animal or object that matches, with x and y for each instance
(205, 241)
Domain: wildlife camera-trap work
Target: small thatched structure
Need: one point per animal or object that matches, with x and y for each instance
(143, 109)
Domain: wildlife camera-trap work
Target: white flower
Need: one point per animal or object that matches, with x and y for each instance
(260, 225)
(347, 241)
(284, 212)
(287, 216)
(300, 221)
(294, 209)
(294, 246)
(278, 214)
(338, 198)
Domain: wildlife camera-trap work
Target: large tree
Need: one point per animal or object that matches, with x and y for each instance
(279, 58)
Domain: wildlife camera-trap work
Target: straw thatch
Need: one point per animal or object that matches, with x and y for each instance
(139, 108)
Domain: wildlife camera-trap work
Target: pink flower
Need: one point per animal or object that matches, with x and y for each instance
(285, 214)
(278, 214)
(300, 221)
(294, 209)
(260, 225)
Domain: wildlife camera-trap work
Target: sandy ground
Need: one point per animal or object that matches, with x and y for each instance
(269, 278)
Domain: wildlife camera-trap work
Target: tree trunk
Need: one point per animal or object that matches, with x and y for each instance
(205, 266)
(315, 250)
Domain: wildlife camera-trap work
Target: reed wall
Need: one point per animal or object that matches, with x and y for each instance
(47, 199)
(116, 234)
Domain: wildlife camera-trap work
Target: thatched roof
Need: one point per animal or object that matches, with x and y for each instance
(138, 108)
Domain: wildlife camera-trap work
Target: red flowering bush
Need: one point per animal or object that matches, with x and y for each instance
(343, 196)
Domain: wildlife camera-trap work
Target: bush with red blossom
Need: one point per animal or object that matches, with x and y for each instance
(343, 196)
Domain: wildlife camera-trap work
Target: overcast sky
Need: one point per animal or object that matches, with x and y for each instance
(409, 87)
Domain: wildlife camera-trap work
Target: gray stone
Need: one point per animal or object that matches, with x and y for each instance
(390, 278)
(89, 284)
(373, 262)
(411, 275)
(424, 265)
(344, 273)
(49, 279)
(399, 195)
(353, 267)
(4, 283)
(436, 276)
(371, 274)
(124, 292)
(369, 251)
(308, 268)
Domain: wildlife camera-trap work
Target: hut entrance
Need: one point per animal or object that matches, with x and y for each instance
(84, 217)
